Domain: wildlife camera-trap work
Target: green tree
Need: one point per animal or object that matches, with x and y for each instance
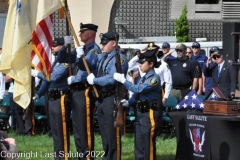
(182, 27)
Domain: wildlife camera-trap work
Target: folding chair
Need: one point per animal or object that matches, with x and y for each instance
(4, 113)
(168, 126)
(40, 118)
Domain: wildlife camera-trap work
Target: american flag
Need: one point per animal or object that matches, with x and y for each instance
(41, 46)
(212, 97)
(191, 101)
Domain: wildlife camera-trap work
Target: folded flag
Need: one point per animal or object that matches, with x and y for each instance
(191, 101)
(212, 97)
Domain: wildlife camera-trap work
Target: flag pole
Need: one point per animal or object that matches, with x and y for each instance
(68, 46)
(78, 44)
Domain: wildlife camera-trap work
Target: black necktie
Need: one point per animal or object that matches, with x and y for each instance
(100, 69)
(143, 79)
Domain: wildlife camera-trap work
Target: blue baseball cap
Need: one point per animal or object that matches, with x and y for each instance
(196, 44)
(213, 49)
(165, 45)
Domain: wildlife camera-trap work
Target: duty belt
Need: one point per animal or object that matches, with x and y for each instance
(145, 105)
(106, 94)
(55, 93)
(78, 86)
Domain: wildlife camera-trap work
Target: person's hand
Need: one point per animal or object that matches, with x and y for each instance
(34, 72)
(119, 77)
(164, 100)
(11, 153)
(70, 80)
(125, 103)
(67, 40)
(36, 96)
(1, 100)
(209, 61)
(90, 78)
(80, 52)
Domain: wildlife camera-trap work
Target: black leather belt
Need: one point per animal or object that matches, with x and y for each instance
(55, 93)
(145, 105)
(181, 87)
(78, 86)
(106, 94)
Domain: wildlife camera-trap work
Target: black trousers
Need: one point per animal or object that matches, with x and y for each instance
(23, 125)
(83, 104)
(56, 123)
(108, 132)
(147, 127)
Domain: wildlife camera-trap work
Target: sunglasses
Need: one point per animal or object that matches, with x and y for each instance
(216, 56)
(195, 47)
(178, 50)
(189, 52)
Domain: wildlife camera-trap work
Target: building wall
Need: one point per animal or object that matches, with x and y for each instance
(153, 18)
(3, 6)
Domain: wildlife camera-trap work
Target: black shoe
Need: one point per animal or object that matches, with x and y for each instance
(28, 134)
(19, 134)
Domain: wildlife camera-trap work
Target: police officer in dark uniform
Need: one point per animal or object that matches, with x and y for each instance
(185, 73)
(147, 102)
(59, 102)
(83, 102)
(107, 86)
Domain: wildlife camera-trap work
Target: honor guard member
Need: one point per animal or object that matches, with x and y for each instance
(107, 87)
(163, 71)
(223, 74)
(83, 102)
(208, 80)
(201, 59)
(59, 102)
(185, 73)
(147, 102)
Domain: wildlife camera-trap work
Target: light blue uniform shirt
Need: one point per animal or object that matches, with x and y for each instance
(145, 90)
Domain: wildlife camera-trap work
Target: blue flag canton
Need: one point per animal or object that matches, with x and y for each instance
(19, 5)
(212, 97)
(191, 101)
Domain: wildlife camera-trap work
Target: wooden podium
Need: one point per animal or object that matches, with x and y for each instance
(221, 107)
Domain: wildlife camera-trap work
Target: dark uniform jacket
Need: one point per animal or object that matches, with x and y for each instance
(227, 79)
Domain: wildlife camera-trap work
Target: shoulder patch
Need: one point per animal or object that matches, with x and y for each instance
(167, 66)
(197, 68)
(95, 52)
(122, 61)
(130, 73)
(153, 81)
(66, 65)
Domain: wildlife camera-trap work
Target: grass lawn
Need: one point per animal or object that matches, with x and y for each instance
(41, 147)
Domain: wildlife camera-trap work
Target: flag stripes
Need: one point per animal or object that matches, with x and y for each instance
(41, 46)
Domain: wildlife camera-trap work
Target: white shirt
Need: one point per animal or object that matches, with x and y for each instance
(163, 72)
(2, 85)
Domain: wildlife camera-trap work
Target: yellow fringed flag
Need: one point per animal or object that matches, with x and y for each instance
(23, 17)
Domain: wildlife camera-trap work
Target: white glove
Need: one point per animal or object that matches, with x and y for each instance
(90, 78)
(119, 77)
(70, 80)
(124, 103)
(35, 97)
(67, 40)
(34, 72)
(80, 52)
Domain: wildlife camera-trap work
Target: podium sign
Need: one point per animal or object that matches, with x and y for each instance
(221, 107)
